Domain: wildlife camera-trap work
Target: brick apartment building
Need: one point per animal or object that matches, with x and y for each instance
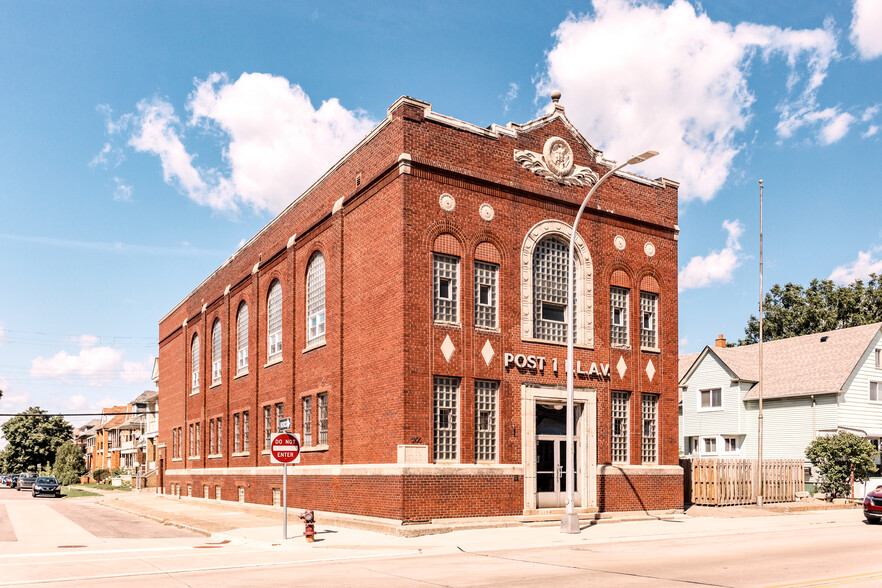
(407, 313)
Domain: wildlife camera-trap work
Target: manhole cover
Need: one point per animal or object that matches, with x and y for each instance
(70, 546)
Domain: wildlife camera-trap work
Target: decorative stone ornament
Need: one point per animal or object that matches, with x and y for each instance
(447, 202)
(486, 212)
(619, 242)
(649, 249)
(556, 164)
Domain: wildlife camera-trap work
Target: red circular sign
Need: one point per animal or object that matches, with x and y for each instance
(285, 448)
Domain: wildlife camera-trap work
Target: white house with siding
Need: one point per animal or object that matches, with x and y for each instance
(812, 385)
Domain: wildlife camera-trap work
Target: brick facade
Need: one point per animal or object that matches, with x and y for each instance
(376, 219)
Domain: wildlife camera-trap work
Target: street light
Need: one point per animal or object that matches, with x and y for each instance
(570, 521)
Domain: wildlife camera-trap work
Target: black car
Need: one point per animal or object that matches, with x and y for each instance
(13, 481)
(46, 485)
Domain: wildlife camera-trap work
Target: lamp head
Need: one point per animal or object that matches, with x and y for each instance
(642, 157)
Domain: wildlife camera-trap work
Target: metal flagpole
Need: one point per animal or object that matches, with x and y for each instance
(759, 459)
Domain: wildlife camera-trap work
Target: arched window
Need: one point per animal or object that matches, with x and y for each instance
(550, 289)
(242, 339)
(274, 320)
(544, 286)
(315, 300)
(216, 352)
(194, 370)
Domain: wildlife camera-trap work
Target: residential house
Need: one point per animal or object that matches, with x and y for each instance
(812, 385)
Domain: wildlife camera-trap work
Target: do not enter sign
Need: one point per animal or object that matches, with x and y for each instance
(285, 448)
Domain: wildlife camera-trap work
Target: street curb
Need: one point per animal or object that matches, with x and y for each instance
(158, 519)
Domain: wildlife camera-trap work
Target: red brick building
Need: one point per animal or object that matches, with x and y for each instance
(406, 312)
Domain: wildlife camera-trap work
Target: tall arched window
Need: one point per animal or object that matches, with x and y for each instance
(544, 285)
(315, 300)
(194, 365)
(550, 289)
(216, 352)
(242, 339)
(274, 320)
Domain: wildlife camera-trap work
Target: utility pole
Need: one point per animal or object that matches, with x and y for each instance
(759, 492)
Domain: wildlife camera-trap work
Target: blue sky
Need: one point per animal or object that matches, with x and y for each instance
(144, 142)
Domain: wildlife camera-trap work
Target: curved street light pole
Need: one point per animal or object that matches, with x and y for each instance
(570, 521)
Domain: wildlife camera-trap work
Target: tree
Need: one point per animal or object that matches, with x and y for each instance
(34, 438)
(69, 463)
(792, 310)
(836, 457)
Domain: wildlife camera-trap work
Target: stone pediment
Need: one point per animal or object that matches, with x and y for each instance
(556, 164)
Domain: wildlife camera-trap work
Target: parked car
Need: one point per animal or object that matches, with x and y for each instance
(46, 485)
(13, 480)
(3, 479)
(26, 481)
(873, 506)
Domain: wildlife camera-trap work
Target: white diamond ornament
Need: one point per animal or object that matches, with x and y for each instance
(650, 370)
(621, 367)
(447, 348)
(487, 352)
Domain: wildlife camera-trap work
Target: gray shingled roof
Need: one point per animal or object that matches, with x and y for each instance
(800, 366)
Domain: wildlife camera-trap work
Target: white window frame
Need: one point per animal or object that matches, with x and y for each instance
(194, 364)
(274, 321)
(220, 436)
(487, 277)
(711, 407)
(486, 430)
(216, 352)
(267, 427)
(730, 440)
(315, 300)
(704, 445)
(649, 309)
(875, 390)
(237, 432)
(445, 268)
(445, 400)
(307, 421)
(242, 339)
(620, 412)
(878, 358)
(322, 406)
(619, 307)
(245, 431)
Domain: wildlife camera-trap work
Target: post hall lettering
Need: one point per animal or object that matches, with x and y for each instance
(538, 363)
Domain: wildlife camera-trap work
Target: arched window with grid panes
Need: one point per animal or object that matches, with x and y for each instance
(242, 339)
(315, 300)
(216, 352)
(274, 321)
(194, 364)
(544, 283)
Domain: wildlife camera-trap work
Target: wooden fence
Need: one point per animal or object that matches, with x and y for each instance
(726, 482)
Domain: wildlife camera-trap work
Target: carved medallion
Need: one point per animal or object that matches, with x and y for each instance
(447, 202)
(649, 249)
(556, 164)
(619, 242)
(486, 212)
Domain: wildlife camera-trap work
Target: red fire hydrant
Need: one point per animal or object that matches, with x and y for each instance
(309, 521)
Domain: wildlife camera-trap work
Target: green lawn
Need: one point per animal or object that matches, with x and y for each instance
(123, 488)
(75, 492)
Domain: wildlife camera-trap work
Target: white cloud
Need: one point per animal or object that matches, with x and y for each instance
(865, 25)
(638, 75)
(122, 192)
(509, 96)
(98, 365)
(718, 266)
(15, 402)
(275, 143)
(76, 402)
(682, 343)
(871, 130)
(867, 262)
(2, 336)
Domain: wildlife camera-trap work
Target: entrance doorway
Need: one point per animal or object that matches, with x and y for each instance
(551, 447)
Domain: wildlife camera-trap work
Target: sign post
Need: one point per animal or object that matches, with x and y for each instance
(285, 449)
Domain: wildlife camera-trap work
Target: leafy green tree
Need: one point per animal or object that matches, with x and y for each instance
(836, 457)
(33, 439)
(792, 310)
(69, 463)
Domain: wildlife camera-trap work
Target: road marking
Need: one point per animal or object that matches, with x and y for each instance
(836, 581)
(203, 569)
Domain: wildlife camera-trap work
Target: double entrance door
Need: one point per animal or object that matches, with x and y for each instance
(551, 461)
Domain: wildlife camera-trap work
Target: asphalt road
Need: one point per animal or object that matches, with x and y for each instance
(77, 542)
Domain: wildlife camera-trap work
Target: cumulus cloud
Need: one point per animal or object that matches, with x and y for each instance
(95, 364)
(122, 192)
(639, 75)
(274, 142)
(867, 262)
(865, 25)
(718, 266)
(2, 335)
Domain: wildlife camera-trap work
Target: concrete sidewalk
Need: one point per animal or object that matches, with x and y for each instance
(261, 526)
